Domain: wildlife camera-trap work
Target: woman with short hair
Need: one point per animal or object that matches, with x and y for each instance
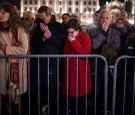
(79, 43)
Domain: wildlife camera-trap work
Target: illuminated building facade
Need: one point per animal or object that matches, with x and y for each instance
(83, 8)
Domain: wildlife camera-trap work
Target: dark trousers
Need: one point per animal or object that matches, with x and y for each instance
(77, 103)
(5, 105)
(43, 101)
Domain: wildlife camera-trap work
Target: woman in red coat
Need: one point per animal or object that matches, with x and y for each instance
(77, 42)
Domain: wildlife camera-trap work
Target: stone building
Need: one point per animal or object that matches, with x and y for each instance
(82, 8)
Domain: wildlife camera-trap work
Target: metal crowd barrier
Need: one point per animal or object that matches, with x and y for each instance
(91, 100)
(123, 102)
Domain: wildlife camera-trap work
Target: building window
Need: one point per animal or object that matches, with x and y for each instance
(50, 1)
(94, 9)
(25, 8)
(30, 8)
(60, 2)
(76, 2)
(76, 10)
(89, 2)
(69, 9)
(89, 9)
(35, 1)
(25, 2)
(94, 2)
(35, 8)
(84, 10)
(84, 3)
(30, 1)
(60, 9)
(43, 1)
(70, 2)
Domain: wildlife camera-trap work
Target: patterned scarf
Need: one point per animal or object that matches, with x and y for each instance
(14, 83)
(14, 62)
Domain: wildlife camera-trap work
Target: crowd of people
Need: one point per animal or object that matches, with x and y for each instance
(44, 35)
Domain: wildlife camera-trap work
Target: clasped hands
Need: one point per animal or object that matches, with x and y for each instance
(45, 29)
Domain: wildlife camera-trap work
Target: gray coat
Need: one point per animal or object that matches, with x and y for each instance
(98, 38)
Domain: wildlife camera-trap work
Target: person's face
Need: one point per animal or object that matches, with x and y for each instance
(105, 18)
(44, 17)
(95, 17)
(119, 23)
(28, 18)
(4, 16)
(72, 32)
(123, 15)
(65, 19)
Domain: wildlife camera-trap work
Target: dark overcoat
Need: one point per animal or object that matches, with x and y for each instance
(51, 46)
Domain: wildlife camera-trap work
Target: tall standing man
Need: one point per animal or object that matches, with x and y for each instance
(48, 39)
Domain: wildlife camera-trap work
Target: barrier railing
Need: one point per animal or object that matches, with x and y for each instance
(91, 101)
(124, 86)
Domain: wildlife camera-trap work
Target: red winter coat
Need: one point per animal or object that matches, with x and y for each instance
(81, 45)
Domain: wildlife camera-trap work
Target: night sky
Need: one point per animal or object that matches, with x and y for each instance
(12, 1)
(102, 2)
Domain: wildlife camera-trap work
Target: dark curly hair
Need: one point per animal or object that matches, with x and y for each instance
(73, 23)
(66, 14)
(120, 19)
(14, 19)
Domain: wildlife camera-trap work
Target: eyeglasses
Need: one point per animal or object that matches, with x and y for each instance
(71, 32)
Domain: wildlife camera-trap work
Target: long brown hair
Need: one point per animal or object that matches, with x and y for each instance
(15, 20)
